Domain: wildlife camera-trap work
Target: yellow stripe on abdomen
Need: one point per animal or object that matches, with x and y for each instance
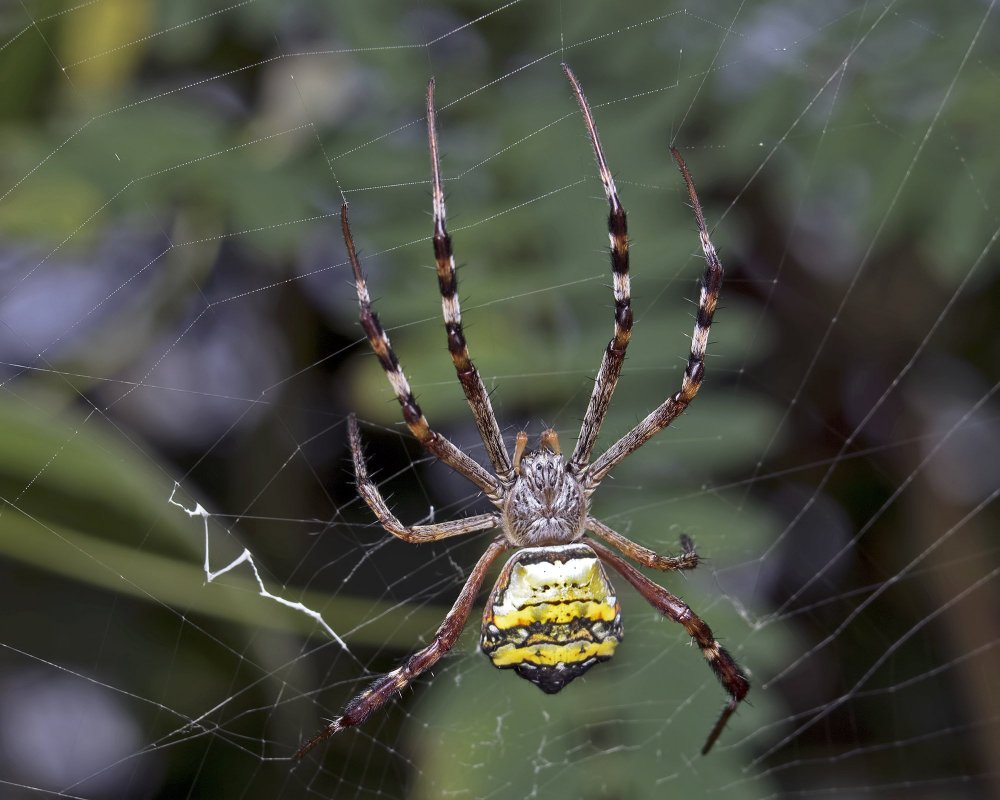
(550, 655)
(555, 614)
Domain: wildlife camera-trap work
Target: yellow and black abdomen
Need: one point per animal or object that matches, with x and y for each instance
(552, 615)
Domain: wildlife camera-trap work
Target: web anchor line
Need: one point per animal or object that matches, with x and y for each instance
(247, 556)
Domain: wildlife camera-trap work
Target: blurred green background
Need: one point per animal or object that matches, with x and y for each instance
(176, 323)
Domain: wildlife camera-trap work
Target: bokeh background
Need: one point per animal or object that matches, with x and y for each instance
(176, 324)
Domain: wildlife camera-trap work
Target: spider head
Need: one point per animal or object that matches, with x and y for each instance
(546, 504)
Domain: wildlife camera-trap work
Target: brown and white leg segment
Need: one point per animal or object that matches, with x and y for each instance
(711, 285)
(694, 373)
(688, 559)
(614, 354)
(468, 375)
(416, 534)
(729, 673)
(385, 687)
(412, 415)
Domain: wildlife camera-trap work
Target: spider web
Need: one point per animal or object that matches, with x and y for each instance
(191, 585)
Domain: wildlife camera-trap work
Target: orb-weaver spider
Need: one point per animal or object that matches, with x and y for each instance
(553, 613)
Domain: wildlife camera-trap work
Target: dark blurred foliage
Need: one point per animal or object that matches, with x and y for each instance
(175, 307)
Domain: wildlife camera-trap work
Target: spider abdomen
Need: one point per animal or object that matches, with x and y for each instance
(552, 615)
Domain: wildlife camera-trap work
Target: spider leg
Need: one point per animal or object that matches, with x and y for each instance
(729, 673)
(468, 375)
(614, 354)
(388, 685)
(415, 534)
(672, 407)
(642, 555)
(412, 415)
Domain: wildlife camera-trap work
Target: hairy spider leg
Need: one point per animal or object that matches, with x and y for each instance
(694, 373)
(614, 354)
(732, 678)
(468, 375)
(688, 559)
(415, 420)
(390, 684)
(415, 534)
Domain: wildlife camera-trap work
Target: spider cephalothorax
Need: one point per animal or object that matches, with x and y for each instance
(546, 504)
(553, 613)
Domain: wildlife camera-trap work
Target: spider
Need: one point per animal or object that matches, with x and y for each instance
(553, 613)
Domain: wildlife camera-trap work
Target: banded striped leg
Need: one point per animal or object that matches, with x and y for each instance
(614, 354)
(412, 415)
(724, 666)
(468, 375)
(416, 534)
(694, 373)
(388, 685)
(688, 559)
